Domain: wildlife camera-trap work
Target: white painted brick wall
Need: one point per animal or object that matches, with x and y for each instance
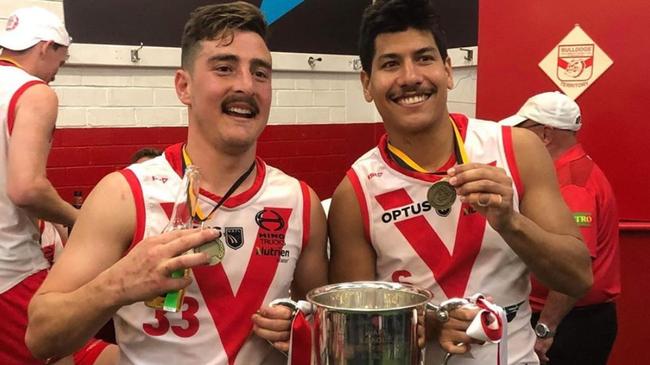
(133, 96)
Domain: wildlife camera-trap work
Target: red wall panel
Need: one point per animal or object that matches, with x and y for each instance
(514, 36)
(317, 154)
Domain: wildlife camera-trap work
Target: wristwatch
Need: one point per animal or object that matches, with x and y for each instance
(542, 331)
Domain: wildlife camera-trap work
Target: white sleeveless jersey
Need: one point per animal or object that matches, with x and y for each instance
(453, 253)
(20, 251)
(264, 229)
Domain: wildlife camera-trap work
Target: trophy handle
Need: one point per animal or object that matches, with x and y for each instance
(441, 313)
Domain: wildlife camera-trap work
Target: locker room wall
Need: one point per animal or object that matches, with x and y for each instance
(514, 36)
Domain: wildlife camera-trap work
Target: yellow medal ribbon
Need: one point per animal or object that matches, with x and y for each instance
(458, 142)
(193, 200)
(192, 194)
(9, 60)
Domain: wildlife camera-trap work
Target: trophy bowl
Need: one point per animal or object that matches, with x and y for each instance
(368, 322)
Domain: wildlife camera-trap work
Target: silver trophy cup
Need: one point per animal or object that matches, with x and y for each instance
(368, 323)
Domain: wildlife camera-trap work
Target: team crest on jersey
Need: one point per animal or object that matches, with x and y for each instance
(234, 237)
(270, 220)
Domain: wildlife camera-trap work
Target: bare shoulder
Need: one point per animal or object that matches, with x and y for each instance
(100, 237)
(38, 96)
(352, 256)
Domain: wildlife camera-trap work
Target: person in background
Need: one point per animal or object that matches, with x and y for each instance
(273, 224)
(448, 203)
(145, 154)
(575, 330)
(34, 46)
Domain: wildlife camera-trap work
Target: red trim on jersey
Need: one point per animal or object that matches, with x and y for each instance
(306, 213)
(235, 327)
(138, 199)
(11, 112)
(88, 354)
(174, 155)
(509, 151)
(451, 270)
(459, 120)
(361, 198)
(241, 198)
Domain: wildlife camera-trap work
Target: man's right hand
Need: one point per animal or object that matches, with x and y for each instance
(145, 272)
(451, 334)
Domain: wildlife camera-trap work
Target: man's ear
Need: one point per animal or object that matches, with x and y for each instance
(183, 84)
(365, 83)
(450, 76)
(547, 135)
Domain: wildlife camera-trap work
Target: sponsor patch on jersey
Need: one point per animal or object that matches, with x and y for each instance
(270, 220)
(583, 219)
(511, 311)
(406, 212)
(159, 178)
(234, 237)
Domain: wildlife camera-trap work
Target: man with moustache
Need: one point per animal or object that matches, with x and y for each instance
(442, 202)
(116, 257)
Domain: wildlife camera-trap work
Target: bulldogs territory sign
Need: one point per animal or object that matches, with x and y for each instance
(575, 63)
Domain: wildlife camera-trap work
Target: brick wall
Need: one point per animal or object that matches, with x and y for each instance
(110, 107)
(318, 153)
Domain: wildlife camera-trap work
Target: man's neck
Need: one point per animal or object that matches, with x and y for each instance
(218, 169)
(430, 148)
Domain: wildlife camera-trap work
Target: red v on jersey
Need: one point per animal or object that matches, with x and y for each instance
(232, 312)
(450, 270)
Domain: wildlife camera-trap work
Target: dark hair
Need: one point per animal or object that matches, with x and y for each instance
(145, 152)
(392, 16)
(219, 21)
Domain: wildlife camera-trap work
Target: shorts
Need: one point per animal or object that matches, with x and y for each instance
(13, 306)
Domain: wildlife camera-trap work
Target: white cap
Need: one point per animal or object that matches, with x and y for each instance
(553, 109)
(28, 26)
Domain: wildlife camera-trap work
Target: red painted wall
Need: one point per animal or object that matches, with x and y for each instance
(317, 154)
(514, 36)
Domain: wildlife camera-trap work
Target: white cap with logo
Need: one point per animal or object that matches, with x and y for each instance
(553, 109)
(28, 26)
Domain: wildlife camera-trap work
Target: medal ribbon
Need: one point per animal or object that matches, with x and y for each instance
(11, 62)
(459, 149)
(195, 209)
(490, 325)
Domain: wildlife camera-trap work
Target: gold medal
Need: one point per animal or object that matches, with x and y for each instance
(215, 249)
(441, 195)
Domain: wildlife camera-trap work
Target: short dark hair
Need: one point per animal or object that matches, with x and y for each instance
(145, 152)
(219, 21)
(392, 16)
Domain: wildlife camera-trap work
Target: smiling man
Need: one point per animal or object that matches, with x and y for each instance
(442, 202)
(117, 258)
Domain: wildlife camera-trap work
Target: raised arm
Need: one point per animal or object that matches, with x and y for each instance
(92, 279)
(543, 234)
(352, 257)
(29, 146)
